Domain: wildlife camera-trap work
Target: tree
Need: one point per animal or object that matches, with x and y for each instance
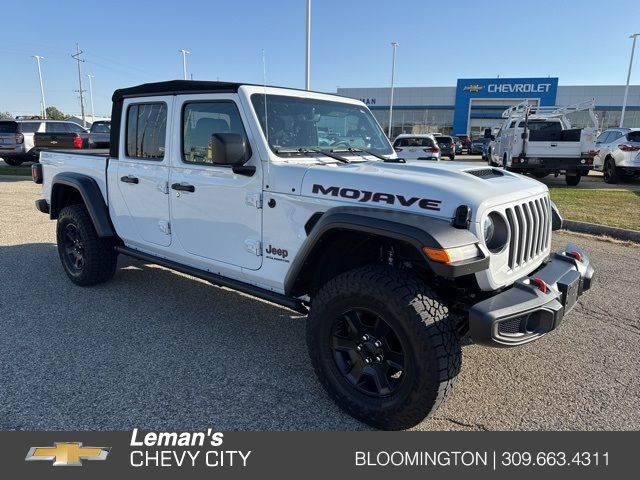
(5, 116)
(54, 114)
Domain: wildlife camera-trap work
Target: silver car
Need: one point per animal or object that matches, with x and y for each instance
(618, 153)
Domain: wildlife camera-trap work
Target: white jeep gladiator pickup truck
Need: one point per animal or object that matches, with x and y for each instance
(298, 198)
(541, 141)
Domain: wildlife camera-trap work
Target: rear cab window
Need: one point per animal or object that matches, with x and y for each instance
(445, 140)
(146, 130)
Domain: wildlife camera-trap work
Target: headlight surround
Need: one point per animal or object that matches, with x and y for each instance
(495, 232)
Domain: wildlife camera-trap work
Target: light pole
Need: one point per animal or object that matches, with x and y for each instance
(44, 106)
(626, 89)
(394, 45)
(307, 68)
(93, 113)
(184, 62)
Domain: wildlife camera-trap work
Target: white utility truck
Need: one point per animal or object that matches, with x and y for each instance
(298, 198)
(540, 141)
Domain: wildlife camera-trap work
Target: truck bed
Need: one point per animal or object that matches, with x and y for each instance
(87, 162)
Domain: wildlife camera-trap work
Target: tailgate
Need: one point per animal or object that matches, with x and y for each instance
(554, 149)
(54, 140)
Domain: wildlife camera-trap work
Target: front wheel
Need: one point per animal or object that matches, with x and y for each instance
(383, 346)
(86, 258)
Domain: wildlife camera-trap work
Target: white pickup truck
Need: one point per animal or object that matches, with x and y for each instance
(298, 198)
(540, 141)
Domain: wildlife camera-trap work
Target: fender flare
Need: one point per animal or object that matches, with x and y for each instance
(411, 228)
(92, 197)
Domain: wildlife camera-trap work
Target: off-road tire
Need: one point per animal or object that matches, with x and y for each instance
(100, 256)
(421, 321)
(573, 180)
(610, 171)
(13, 161)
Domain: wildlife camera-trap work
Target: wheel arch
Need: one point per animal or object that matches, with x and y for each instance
(344, 238)
(70, 188)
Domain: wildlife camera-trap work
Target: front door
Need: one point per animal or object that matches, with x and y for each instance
(140, 202)
(215, 213)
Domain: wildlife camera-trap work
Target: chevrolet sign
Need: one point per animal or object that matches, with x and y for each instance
(518, 87)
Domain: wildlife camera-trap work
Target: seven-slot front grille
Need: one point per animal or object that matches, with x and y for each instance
(530, 225)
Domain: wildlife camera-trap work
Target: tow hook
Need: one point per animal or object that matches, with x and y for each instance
(575, 254)
(541, 284)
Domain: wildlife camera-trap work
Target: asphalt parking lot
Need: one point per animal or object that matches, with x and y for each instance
(162, 351)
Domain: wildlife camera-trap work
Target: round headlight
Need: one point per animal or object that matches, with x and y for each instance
(488, 228)
(495, 231)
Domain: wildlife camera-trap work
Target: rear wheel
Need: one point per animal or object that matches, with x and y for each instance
(86, 258)
(13, 161)
(610, 171)
(383, 346)
(572, 178)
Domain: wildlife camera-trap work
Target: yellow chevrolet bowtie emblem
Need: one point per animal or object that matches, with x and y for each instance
(67, 454)
(474, 88)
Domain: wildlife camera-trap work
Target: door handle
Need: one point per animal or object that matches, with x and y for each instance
(129, 179)
(183, 187)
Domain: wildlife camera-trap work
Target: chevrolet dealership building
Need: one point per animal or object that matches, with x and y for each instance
(477, 103)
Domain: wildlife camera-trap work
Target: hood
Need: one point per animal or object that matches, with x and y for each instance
(434, 189)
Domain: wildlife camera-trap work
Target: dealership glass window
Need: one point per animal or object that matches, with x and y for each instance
(146, 130)
(202, 120)
(416, 120)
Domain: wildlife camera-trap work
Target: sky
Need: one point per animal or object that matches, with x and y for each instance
(125, 43)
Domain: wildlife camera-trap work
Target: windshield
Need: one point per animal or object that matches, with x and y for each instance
(308, 123)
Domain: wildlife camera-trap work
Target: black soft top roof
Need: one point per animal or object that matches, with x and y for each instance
(174, 87)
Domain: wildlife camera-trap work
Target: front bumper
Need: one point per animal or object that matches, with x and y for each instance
(525, 312)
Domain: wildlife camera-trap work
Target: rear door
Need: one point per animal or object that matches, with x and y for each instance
(139, 200)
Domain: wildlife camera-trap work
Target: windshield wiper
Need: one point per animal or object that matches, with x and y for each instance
(314, 150)
(360, 151)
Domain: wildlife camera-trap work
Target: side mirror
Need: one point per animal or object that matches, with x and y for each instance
(229, 149)
(493, 138)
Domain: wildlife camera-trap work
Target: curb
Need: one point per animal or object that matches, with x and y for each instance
(595, 229)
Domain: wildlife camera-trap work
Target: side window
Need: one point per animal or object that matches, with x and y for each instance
(201, 120)
(146, 130)
(614, 136)
(602, 138)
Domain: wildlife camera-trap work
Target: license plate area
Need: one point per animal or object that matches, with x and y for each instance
(569, 286)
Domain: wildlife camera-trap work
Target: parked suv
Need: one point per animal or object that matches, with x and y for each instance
(447, 146)
(478, 144)
(458, 143)
(618, 153)
(417, 147)
(18, 138)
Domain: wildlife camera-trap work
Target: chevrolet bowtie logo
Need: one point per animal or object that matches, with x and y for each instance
(67, 454)
(473, 88)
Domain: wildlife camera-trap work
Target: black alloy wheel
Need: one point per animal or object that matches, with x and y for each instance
(368, 352)
(74, 248)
